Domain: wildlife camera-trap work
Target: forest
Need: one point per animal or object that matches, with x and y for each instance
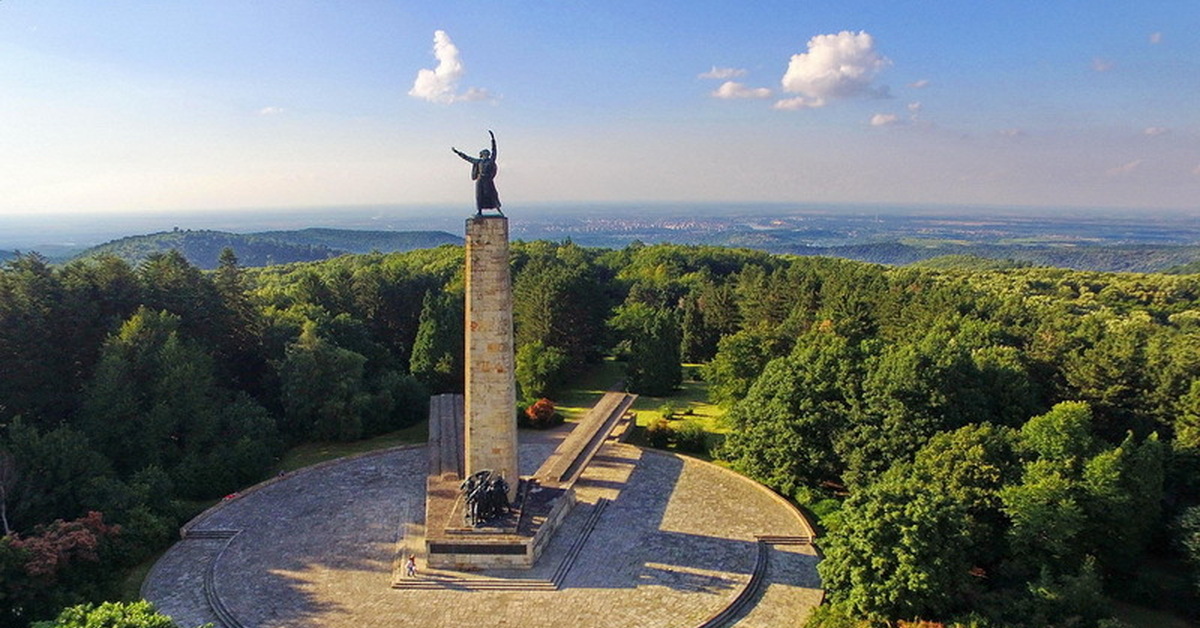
(981, 444)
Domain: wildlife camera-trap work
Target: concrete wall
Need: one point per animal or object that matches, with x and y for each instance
(490, 407)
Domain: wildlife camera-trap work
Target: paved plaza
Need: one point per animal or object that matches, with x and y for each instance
(656, 540)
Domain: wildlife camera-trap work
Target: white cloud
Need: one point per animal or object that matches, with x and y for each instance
(840, 65)
(270, 111)
(1124, 169)
(919, 84)
(722, 73)
(1156, 38)
(1101, 65)
(884, 119)
(732, 89)
(440, 85)
(1011, 133)
(1156, 130)
(799, 102)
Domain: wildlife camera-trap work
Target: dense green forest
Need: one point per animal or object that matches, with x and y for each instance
(203, 248)
(1003, 446)
(1141, 258)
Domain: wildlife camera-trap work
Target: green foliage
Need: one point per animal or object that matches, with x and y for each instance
(437, 354)
(690, 437)
(539, 369)
(651, 338)
(658, 434)
(140, 614)
(785, 429)
(1187, 528)
(901, 552)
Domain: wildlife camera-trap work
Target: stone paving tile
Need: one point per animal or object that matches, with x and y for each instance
(177, 581)
(674, 547)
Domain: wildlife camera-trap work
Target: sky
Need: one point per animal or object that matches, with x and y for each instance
(175, 105)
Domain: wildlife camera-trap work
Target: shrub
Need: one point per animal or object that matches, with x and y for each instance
(691, 437)
(658, 434)
(541, 415)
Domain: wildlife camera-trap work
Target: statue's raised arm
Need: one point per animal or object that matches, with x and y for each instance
(495, 155)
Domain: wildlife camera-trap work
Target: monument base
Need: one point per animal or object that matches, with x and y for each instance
(512, 542)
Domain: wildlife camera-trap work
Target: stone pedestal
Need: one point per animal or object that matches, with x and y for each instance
(490, 441)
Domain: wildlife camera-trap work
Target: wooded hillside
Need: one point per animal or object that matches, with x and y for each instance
(1005, 446)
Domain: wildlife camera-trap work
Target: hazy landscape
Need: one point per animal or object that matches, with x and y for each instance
(1108, 240)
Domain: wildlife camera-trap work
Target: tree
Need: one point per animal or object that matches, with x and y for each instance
(323, 389)
(155, 400)
(538, 369)
(437, 353)
(785, 429)
(140, 614)
(652, 338)
(740, 359)
(1187, 528)
(8, 481)
(900, 552)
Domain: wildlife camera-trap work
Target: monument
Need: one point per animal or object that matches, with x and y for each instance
(479, 512)
(491, 390)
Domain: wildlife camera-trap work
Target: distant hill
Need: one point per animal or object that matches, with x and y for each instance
(7, 255)
(353, 241)
(203, 247)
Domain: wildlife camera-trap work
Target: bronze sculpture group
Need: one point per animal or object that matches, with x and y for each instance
(486, 495)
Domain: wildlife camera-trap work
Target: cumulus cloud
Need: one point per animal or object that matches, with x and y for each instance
(440, 85)
(884, 119)
(722, 73)
(1155, 130)
(1156, 38)
(270, 111)
(1101, 65)
(919, 84)
(733, 89)
(840, 65)
(1124, 169)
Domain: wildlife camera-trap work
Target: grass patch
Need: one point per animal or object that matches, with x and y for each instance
(308, 454)
(690, 402)
(577, 397)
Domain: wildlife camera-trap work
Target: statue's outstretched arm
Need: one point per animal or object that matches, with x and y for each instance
(493, 144)
(462, 154)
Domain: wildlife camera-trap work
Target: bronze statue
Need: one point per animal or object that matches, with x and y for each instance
(486, 495)
(483, 173)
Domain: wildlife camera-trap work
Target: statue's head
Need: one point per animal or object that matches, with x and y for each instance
(485, 153)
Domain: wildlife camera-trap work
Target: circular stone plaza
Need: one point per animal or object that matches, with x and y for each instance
(654, 539)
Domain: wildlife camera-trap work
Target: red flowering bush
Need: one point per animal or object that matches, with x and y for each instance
(541, 414)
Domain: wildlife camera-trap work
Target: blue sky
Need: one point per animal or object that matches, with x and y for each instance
(162, 106)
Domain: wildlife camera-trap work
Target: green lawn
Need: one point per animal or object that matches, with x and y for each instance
(308, 454)
(690, 402)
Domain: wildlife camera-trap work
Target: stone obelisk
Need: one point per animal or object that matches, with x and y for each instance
(490, 439)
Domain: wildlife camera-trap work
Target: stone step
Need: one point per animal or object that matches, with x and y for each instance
(210, 534)
(456, 584)
(785, 540)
